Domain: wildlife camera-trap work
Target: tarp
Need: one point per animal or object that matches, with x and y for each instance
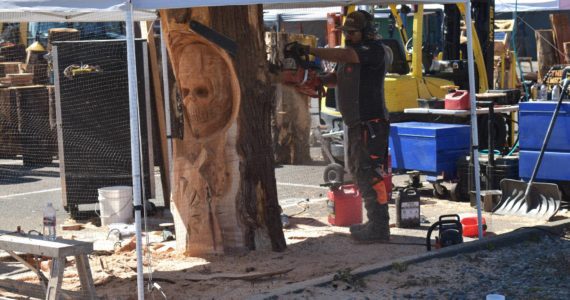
(113, 10)
(530, 5)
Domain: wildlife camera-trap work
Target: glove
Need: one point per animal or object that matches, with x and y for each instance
(297, 49)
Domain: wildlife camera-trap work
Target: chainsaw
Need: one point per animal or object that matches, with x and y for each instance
(299, 71)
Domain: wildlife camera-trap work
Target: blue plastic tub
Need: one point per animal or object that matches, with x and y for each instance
(534, 118)
(433, 148)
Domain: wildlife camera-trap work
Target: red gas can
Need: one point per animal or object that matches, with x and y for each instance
(457, 100)
(345, 205)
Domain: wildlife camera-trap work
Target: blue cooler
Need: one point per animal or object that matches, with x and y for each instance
(433, 148)
(534, 118)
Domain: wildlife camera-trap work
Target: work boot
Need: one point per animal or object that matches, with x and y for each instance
(376, 229)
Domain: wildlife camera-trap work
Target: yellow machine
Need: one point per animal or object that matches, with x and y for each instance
(403, 89)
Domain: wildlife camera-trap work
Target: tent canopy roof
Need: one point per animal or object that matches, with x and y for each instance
(113, 10)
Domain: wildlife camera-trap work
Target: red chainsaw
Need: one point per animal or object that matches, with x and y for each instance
(299, 71)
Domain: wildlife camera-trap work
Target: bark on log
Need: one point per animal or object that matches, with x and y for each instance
(291, 117)
(224, 190)
(546, 53)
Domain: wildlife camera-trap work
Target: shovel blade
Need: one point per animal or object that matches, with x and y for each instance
(541, 202)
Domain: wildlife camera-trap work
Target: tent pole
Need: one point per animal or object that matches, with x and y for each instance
(474, 131)
(135, 142)
(166, 91)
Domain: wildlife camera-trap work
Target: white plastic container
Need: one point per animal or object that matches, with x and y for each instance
(116, 204)
(556, 92)
(543, 93)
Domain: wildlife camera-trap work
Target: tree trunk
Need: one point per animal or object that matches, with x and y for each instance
(291, 117)
(546, 54)
(224, 191)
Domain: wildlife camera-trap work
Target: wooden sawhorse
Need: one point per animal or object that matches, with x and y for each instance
(58, 250)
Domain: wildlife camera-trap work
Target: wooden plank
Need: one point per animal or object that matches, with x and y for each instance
(23, 288)
(38, 246)
(567, 52)
(546, 53)
(235, 276)
(85, 277)
(55, 278)
(560, 24)
(160, 113)
(41, 276)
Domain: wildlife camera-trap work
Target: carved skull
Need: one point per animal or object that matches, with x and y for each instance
(206, 90)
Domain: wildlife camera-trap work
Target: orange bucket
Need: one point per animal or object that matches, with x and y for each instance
(470, 228)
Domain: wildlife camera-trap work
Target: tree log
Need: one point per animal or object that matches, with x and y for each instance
(546, 53)
(224, 192)
(291, 117)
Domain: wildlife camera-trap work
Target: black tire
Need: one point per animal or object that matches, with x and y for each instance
(455, 193)
(334, 173)
(440, 191)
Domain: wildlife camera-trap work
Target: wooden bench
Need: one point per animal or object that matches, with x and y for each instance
(58, 250)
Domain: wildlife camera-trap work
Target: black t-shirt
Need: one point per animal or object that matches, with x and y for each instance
(372, 104)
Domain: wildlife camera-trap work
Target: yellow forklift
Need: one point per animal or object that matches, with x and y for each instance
(407, 81)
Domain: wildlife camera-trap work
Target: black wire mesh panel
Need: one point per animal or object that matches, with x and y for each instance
(94, 140)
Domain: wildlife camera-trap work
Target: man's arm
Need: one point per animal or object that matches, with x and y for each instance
(346, 55)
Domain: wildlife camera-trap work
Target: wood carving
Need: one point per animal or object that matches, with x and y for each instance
(291, 118)
(224, 195)
(210, 95)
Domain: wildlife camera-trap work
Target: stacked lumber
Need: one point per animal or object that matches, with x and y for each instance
(17, 79)
(561, 35)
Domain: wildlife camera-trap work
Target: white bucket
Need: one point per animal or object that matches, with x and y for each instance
(116, 204)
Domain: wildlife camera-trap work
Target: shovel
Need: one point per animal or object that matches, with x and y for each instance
(534, 199)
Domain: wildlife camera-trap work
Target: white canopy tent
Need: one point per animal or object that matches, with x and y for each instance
(139, 10)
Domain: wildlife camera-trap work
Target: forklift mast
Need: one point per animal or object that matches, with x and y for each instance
(484, 18)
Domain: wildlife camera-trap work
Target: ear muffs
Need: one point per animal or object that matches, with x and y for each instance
(369, 29)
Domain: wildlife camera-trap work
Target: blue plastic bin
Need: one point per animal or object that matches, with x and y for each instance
(534, 118)
(432, 148)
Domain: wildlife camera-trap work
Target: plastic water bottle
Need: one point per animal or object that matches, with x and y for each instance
(543, 93)
(556, 92)
(49, 222)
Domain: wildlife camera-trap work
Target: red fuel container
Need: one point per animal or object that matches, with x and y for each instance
(345, 205)
(458, 100)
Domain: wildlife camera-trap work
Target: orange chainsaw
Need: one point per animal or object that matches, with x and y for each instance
(299, 71)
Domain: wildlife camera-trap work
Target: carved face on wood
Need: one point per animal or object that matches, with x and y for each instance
(206, 87)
